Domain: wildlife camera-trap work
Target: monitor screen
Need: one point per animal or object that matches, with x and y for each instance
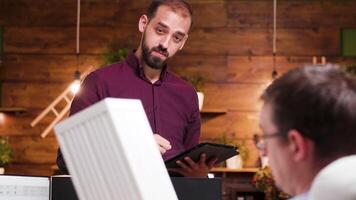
(24, 187)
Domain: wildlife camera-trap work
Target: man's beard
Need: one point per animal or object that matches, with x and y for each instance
(153, 61)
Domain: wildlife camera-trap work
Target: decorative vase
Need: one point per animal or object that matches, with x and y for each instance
(264, 161)
(234, 162)
(200, 99)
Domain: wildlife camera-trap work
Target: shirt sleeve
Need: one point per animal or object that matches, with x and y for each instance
(192, 135)
(90, 93)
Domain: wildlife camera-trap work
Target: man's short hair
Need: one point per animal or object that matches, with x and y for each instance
(320, 103)
(175, 5)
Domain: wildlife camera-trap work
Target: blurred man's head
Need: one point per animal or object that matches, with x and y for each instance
(164, 31)
(311, 113)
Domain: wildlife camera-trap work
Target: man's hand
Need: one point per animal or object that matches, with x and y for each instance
(163, 144)
(191, 169)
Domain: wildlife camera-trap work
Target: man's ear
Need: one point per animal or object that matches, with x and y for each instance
(142, 23)
(183, 43)
(299, 146)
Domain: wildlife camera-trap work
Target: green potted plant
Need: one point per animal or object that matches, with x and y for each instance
(263, 180)
(197, 82)
(243, 151)
(5, 153)
(349, 68)
(237, 161)
(112, 56)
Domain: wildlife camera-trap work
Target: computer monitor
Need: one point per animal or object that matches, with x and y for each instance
(14, 187)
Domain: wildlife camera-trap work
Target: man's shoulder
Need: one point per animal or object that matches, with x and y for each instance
(111, 70)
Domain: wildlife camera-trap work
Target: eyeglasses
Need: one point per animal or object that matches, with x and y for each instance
(260, 140)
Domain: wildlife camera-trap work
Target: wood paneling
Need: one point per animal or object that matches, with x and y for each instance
(212, 68)
(235, 124)
(99, 13)
(61, 40)
(45, 68)
(239, 97)
(33, 149)
(245, 14)
(30, 169)
(207, 41)
(42, 40)
(259, 69)
(19, 125)
(292, 14)
(256, 41)
(31, 95)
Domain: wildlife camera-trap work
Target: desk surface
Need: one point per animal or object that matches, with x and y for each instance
(242, 170)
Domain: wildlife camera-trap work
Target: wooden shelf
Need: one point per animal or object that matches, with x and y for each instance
(213, 111)
(226, 170)
(12, 110)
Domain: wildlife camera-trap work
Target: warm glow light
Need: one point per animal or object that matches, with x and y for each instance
(265, 86)
(2, 118)
(75, 86)
(211, 175)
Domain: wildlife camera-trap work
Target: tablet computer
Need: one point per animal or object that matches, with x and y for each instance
(221, 151)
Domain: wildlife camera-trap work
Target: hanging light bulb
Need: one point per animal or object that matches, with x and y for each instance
(76, 84)
(2, 118)
(274, 74)
(274, 71)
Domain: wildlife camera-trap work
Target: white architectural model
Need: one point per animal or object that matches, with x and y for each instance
(110, 152)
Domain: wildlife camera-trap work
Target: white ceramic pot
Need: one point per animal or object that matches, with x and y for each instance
(200, 99)
(234, 162)
(264, 161)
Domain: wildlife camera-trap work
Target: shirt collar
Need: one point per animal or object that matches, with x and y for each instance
(135, 64)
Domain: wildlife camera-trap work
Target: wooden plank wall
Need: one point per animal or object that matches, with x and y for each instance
(230, 45)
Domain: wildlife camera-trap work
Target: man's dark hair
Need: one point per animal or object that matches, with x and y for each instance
(175, 5)
(319, 102)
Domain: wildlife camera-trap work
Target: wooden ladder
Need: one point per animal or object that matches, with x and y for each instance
(65, 96)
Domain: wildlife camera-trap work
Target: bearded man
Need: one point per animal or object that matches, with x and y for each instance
(170, 103)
